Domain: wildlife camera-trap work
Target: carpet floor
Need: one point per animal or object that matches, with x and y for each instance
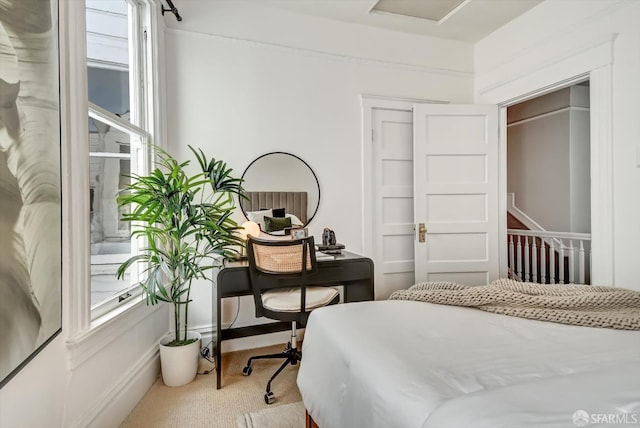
(200, 404)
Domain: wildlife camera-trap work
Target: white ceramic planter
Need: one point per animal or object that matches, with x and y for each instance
(179, 363)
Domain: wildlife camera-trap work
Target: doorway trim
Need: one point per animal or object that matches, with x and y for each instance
(368, 104)
(595, 63)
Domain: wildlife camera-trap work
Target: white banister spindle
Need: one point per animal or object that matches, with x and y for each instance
(527, 274)
(519, 252)
(534, 259)
(581, 267)
(572, 263)
(511, 255)
(561, 262)
(552, 262)
(543, 262)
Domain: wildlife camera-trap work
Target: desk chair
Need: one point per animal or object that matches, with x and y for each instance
(279, 272)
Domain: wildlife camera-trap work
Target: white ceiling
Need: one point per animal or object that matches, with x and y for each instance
(466, 20)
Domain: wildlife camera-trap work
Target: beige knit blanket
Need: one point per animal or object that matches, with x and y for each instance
(584, 305)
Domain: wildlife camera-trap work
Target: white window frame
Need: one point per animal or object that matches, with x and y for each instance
(139, 155)
(86, 335)
(141, 108)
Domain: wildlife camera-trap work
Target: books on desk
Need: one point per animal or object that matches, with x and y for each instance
(322, 256)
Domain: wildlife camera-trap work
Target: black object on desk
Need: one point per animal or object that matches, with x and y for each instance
(331, 248)
(350, 270)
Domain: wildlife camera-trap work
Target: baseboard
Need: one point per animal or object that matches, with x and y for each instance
(116, 404)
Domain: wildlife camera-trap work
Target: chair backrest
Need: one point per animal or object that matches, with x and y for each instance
(280, 264)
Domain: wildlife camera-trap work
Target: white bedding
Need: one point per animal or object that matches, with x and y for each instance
(410, 364)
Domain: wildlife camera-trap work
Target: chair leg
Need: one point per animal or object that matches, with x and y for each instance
(263, 357)
(292, 355)
(269, 398)
(247, 369)
(294, 335)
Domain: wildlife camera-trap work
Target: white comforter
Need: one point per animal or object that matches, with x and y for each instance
(411, 364)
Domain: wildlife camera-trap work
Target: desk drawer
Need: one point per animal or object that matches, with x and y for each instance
(344, 272)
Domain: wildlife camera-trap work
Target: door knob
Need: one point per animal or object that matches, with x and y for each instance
(422, 232)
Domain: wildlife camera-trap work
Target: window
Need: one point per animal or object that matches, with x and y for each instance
(119, 133)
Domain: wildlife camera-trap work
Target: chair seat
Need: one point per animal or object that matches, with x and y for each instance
(288, 299)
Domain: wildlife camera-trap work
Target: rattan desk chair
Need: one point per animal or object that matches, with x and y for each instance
(279, 281)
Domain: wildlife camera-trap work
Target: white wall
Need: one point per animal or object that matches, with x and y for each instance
(551, 43)
(538, 170)
(580, 172)
(548, 159)
(296, 90)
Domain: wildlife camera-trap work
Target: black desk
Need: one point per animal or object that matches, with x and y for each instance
(350, 270)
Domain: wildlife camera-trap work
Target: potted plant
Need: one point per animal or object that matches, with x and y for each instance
(186, 229)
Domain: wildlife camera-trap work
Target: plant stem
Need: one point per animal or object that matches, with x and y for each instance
(186, 309)
(176, 320)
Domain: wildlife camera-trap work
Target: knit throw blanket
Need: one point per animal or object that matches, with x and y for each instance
(584, 305)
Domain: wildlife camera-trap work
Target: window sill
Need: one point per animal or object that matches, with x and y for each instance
(105, 329)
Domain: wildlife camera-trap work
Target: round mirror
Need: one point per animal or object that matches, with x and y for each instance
(280, 185)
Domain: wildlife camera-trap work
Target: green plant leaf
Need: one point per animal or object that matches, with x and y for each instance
(184, 229)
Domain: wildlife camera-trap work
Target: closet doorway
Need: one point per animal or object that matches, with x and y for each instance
(549, 187)
(434, 168)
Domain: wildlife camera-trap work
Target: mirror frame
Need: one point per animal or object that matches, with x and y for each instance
(315, 211)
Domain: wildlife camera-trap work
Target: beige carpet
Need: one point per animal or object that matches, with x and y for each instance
(199, 404)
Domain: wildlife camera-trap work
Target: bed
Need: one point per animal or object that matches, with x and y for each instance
(402, 363)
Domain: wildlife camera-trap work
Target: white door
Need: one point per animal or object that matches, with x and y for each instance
(392, 213)
(456, 192)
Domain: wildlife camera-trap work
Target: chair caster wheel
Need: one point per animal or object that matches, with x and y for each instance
(269, 398)
(247, 371)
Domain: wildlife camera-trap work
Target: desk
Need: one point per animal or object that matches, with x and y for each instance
(350, 270)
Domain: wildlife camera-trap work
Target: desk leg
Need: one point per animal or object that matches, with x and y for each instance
(358, 291)
(218, 357)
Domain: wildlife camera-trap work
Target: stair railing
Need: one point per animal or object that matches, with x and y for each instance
(549, 257)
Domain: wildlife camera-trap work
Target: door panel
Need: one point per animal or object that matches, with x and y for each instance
(392, 173)
(456, 192)
(455, 169)
(456, 208)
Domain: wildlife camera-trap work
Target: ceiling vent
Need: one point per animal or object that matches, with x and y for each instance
(432, 10)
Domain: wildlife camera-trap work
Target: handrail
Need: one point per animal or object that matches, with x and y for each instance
(547, 234)
(520, 215)
(523, 218)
